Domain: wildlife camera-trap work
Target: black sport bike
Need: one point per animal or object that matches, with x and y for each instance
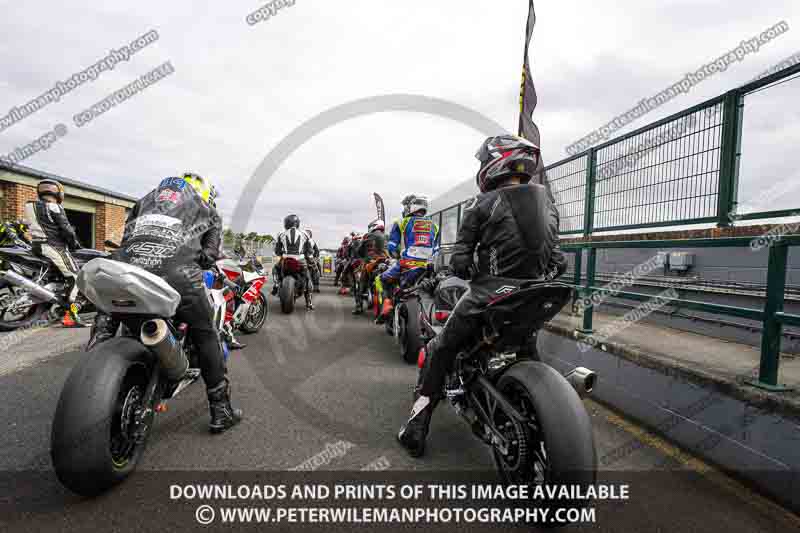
(530, 415)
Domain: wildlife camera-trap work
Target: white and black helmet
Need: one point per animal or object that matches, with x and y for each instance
(415, 202)
(503, 156)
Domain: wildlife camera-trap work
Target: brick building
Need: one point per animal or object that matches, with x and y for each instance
(97, 214)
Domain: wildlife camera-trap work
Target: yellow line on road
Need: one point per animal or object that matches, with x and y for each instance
(710, 472)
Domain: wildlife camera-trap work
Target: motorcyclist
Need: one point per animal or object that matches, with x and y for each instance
(341, 259)
(371, 251)
(175, 232)
(314, 265)
(349, 272)
(414, 241)
(53, 237)
(514, 228)
(294, 243)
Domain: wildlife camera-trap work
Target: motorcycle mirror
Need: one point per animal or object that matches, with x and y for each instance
(111, 244)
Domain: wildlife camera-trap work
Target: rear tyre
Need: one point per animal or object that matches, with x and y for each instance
(410, 333)
(91, 444)
(287, 294)
(556, 447)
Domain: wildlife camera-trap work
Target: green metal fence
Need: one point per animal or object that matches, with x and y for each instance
(682, 170)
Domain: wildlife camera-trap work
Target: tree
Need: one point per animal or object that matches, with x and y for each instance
(228, 236)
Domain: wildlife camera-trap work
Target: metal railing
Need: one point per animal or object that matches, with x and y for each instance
(772, 316)
(682, 170)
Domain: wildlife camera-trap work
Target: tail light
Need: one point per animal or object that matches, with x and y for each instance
(290, 264)
(421, 357)
(441, 316)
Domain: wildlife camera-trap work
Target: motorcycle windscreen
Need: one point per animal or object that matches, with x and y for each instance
(119, 288)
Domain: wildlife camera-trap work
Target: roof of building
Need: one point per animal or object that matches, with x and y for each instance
(34, 173)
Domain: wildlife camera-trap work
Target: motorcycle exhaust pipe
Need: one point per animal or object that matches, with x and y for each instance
(36, 292)
(582, 380)
(158, 337)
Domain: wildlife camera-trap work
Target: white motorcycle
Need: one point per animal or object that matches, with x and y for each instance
(108, 404)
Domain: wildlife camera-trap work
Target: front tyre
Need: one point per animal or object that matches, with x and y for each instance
(556, 446)
(287, 294)
(92, 442)
(256, 315)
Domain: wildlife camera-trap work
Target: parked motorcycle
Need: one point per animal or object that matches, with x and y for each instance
(293, 282)
(247, 308)
(530, 415)
(36, 286)
(107, 407)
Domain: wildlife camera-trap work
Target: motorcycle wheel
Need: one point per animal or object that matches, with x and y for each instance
(409, 332)
(28, 318)
(556, 446)
(91, 443)
(256, 315)
(287, 294)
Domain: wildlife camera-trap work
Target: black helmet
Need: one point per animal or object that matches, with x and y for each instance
(52, 188)
(291, 221)
(503, 156)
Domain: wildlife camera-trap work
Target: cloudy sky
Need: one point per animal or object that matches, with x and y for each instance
(238, 90)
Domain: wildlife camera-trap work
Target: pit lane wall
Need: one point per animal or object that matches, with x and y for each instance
(751, 434)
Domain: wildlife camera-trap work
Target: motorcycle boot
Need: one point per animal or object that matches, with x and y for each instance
(413, 433)
(223, 416)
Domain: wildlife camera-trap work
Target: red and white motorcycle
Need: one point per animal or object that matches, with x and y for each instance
(246, 307)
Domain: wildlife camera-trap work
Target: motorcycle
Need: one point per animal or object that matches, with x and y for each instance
(530, 415)
(108, 404)
(403, 322)
(368, 291)
(246, 308)
(36, 286)
(293, 282)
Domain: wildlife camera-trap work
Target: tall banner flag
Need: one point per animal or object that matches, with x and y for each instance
(379, 207)
(527, 100)
(527, 92)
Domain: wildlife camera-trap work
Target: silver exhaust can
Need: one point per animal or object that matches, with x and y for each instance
(36, 292)
(582, 380)
(158, 337)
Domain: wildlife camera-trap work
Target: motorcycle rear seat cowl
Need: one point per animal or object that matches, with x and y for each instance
(123, 289)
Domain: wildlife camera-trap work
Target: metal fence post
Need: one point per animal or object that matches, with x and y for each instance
(588, 209)
(729, 154)
(577, 267)
(773, 329)
(591, 263)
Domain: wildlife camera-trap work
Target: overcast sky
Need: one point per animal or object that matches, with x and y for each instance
(238, 89)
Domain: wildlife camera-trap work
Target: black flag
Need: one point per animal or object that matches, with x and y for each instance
(527, 92)
(379, 207)
(527, 101)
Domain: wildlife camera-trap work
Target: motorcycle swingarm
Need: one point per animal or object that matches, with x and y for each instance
(491, 393)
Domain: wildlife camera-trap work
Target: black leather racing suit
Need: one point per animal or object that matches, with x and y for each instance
(295, 243)
(314, 265)
(372, 248)
(514, 230)
(52, 237)
(171, 232)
